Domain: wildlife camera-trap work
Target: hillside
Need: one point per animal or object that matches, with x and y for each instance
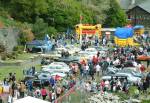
(52, 16)
(35, 18)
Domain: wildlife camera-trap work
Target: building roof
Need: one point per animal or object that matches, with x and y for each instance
(145, 5)
(127, 4)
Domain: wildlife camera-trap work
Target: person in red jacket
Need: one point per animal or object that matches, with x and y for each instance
(142, 68)
(43, 93)
(95, 60)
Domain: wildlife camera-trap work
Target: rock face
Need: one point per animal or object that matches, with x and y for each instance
(104, 98)
(8, 38)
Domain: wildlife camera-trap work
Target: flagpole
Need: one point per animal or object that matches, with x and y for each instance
(81, 18)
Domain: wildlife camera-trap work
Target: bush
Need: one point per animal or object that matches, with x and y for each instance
(18, 48)
(14, 54)
(2, 48)
(20, 51)
(10, 56)
(145, 101)
(3, 12)
(122, 96)
(3, 56)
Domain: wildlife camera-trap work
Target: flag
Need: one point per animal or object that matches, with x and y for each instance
(81, 17)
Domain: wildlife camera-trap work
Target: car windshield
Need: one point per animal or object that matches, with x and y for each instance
(55, 67)
(58, 63)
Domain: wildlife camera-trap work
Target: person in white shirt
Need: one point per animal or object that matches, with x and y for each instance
(135, 64)
(10, 99)
(37, 93)
(107, 85)
(119, 85)
(98, 68)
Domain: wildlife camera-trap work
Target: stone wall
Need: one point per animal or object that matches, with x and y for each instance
(8, 38)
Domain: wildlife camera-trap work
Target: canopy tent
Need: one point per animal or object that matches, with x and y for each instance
(124, 33)
(138, 27)
(44, 45)
(29, 99)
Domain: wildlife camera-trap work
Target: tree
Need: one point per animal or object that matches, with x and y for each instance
(28, 10)
(115, 15)
(40, 28)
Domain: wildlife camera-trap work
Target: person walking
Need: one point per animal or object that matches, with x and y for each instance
(58, 91)
(1, 100)
(37, 93)
(22, 89)
(98, 68)
(43, 93)
(91, 71)
(10, 99)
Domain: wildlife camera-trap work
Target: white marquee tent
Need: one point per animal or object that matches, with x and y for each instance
(29, 99)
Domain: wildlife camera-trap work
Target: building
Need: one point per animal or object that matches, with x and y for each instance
(138, 12)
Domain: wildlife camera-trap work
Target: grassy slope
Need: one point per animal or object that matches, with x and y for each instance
(4, 70)
(14, 69)
(7, 22)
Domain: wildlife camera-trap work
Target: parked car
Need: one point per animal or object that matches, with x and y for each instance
(134, 73)
(129, 76)
(88, 53)
(40, 83)
(91, 50)
(101, 48)
(61, 75)
(72, 49)
(68, 60)
(113, 69)
(44, 76)
(60, 49)
(57, 67)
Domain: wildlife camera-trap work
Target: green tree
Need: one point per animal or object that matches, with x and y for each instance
(115, 15)
(28, 10)
(40, 28)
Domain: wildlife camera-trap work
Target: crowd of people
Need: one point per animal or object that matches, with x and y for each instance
(88, 73)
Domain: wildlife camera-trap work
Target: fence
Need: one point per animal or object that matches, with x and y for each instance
(77, 94)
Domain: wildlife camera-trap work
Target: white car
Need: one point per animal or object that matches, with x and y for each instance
(83, 54)
(59, 74)
(88, 53)
(59, 67)
(60, 49)
(103, 53)
(72, 49)
(44, 76)
(91, 50)
(60, 63)
(130, 77)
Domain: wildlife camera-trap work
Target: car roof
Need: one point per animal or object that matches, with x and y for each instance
(90, 49)
(124, 74)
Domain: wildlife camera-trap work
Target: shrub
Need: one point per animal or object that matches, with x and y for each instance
(10, 56)
(3, 56)
(2, 48)
(14, 54)
(18, 48)
(122, 95)
(145, 101)
(132, 91)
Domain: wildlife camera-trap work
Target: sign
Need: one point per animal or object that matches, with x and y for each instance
(88, 31)
(108, 33)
